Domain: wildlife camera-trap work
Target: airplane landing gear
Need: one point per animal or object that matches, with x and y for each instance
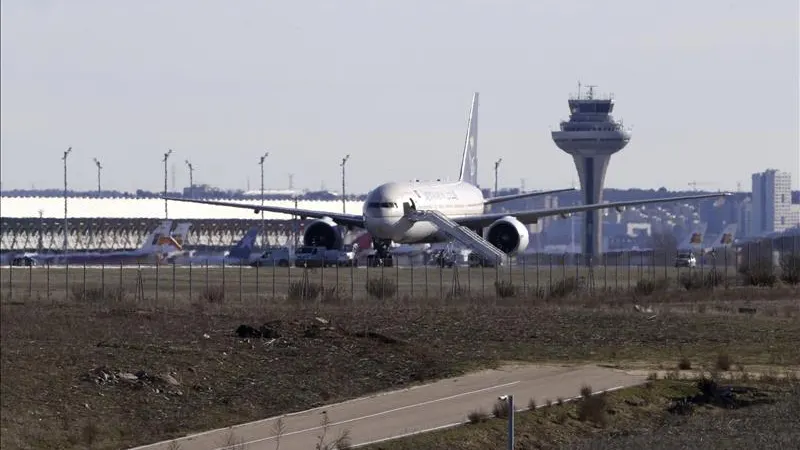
(382, 257)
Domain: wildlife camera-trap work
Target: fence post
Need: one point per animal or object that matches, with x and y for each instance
(48, 279)
(103, 282)
(190, 281)
(411, 272)
(173, 283)
(157, 277)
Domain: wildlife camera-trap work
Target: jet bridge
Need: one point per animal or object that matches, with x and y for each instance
(461, 234)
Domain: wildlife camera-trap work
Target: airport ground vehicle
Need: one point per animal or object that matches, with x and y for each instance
(280, 257)
(310, 256)
(685, 259)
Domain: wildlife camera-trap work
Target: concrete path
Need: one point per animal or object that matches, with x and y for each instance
(409, 411)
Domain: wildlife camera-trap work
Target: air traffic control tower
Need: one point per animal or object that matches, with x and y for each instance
(591, 136)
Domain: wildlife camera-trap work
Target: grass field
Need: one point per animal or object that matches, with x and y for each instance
(196, 373)
(166, 282)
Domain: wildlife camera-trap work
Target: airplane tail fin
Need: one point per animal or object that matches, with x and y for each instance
(181, 234)
(244, 247)
(151, 242)
(469, 162)
(694, 241)
(725, 238)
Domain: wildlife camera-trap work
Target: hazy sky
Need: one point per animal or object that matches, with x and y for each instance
(710, 88)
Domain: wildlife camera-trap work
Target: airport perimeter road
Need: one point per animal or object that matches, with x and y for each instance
(422, 408)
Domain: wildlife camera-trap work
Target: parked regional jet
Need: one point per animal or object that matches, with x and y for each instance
(420, 212)
(151, 251)
(239, 254)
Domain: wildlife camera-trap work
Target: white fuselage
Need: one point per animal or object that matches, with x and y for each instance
(384, 212)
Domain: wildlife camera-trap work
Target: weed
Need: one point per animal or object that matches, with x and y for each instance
(500, 409)
(758, 272)
(342, 442)
(532, 404)
(790, 269)
(303, 290)
(724, 362)
(477, 416)
(646, 287)
(593, 409)
(213, 294)
(381, 288)
(505, 289)
(586, 391)
(684, 364)
(280, 429)
(563, 288)
(333, 295)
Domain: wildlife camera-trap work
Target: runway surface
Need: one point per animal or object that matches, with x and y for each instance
(404, 412)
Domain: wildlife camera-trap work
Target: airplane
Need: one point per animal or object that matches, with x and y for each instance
(430, 212)
(239, 254)
(150, 252)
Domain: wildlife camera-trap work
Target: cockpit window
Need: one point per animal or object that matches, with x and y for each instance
(381, 205)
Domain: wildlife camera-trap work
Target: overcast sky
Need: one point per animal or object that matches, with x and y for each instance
(710, 88)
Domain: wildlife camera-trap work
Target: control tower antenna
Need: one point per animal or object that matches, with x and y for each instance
(591, 91)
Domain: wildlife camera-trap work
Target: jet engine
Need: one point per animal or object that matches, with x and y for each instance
(323, 233)
(509, 235)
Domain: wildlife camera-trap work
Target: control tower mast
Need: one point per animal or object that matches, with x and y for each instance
(591, 136)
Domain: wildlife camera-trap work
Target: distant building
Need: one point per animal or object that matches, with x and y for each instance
(772, 202)
(795, 215)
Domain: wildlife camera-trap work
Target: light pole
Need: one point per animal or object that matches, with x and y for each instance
(166, 156)
(99, 167)
(66, 225)
(509, 399)
(263, 223)
(191, 179)
(344, 195)
(496, 167)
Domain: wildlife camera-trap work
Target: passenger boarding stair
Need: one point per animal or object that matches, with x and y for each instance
(462, 234)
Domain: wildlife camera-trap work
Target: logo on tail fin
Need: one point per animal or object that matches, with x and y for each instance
(469, 161)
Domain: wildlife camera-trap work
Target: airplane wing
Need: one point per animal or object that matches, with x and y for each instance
(506, 198)
(341, 219)
(526, 217)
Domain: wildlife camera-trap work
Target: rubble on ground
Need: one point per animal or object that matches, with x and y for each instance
(165, 382)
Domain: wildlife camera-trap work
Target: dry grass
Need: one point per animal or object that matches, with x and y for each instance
(364, 345)
(660, 414)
